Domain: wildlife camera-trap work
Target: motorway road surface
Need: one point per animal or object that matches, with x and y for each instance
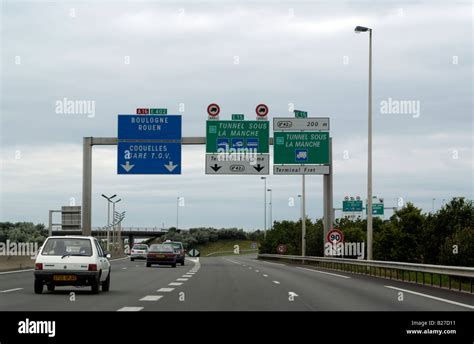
(234, 283)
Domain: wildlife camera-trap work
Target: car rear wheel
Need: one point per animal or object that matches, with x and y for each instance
(132, 259)
(148, 265)
(106, 283)
(182, 263)
(173, 265)
(38, 287)
(95, 287)
(50, 287)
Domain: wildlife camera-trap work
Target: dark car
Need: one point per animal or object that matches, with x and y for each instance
(178, 249)
(162, 255)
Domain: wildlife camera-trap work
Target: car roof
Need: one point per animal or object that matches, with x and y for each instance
(70, 237)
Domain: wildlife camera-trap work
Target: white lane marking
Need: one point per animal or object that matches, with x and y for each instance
(190, 273)
(232, 261)
(115, 259)
(9, 290)
(265, 275)
(276, 282)
(181, 279)
(250, 268)
(323, 272)
(257, 270)
(129, 309)
(244, 265)
(432, 297)
(194, 260)
(124, 268)
(273, 263)
(187, 276)
(175, 283)
(13, 272)
(292, 293)
(151, 298)
(165, 290)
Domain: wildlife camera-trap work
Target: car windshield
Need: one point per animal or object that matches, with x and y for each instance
(67, 247)
(140, 247)
(161, 248)
(176, 245)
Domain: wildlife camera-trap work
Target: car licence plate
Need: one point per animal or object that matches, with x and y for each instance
(64, 278)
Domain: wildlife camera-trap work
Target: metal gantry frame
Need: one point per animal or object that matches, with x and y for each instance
(89, 142)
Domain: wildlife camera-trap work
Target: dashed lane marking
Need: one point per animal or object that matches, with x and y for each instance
(175, 283)
(129, 309)
(165, 290)
(276, 282)
(151, 298)
(9, 290)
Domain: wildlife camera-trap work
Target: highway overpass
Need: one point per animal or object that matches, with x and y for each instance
(126, 232)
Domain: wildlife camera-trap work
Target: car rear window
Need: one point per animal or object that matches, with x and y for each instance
(67, 246)
(140, 247)
(176, 245)
(161, 248)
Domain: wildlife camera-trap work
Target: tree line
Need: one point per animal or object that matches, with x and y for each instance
(409, 235)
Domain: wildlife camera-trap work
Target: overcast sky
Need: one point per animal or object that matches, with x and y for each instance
(128, 54)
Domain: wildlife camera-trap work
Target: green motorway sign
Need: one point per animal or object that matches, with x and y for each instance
(158, 111)
(237, 117)
(301, 147)
(237, 134)
(352, 206)
(377, 209)
(301, 114)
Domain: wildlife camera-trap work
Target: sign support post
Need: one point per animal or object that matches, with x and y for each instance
(87, 186)
(327, 197)
(303, 220)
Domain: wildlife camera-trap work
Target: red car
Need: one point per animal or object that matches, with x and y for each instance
(162, 255)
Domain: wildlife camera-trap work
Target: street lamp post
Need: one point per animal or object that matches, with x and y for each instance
(360, 29)
(109, 199)
(113, 222)
(271, 208)
(177, 212)
(264, 207)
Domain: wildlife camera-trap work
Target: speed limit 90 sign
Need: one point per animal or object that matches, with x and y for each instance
(335, 236)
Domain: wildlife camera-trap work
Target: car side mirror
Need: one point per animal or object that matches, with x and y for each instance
(107, 255)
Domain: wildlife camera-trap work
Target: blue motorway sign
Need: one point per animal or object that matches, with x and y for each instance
(149, 127)
(149, 158)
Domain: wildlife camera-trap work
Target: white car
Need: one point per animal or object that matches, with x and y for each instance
(72, 260)
(139, 251)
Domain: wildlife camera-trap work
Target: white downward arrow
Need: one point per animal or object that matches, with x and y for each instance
(127, 167)
(170, 167)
